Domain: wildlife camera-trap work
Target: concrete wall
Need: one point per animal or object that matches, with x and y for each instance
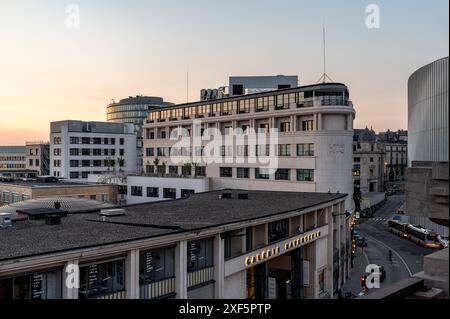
(236, 286)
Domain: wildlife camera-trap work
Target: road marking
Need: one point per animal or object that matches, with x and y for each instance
(395, 252)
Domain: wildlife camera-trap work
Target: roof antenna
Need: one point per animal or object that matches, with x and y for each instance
(187, 85)
(324, 76)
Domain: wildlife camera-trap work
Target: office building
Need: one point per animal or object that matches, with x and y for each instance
(134, 110)
(78, 149)
(38, 157)
(312, 147)
(13, 162)
(396, 157)
(368, 161)
(18, 190)
(234, 244)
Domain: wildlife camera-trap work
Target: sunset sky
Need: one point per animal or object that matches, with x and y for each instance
(50, 72)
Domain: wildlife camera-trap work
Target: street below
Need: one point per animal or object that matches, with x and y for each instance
(407, 257)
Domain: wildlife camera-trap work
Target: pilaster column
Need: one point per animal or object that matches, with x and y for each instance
(219, 267)
(181, 270)
(132, 274)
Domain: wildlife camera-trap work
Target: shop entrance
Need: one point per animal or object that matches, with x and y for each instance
(279, 278)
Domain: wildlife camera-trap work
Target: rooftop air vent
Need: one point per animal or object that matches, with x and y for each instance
(112, 212)
(5, 220)
(53, 219)
(243, 196)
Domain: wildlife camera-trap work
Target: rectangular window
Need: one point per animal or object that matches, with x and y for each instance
(122, 152)
(262, 150)
(156, 265)
(278, 230)
(150, 151)
(97, 141)
(283, 174)
(305, 175)
(122, 141)
(200, 171)
(86, 152)
(85, 163)
(85, 175)
(74, 151)
(186, 170)
(97, 152)
(136, 191)
(249, 238)
(170, 193)
(74, 163)
(308, 125)
(57, 152)
(86, 140)
(153, 192)
(284, 150)
(243, 172)
(242, 150)
(305, 149)
(187, 192)
(200, 254)
(57, 140)
(226, 172)
(285, 127)
(173, 170)
(74, 140)
(102, 279)
(262, 173)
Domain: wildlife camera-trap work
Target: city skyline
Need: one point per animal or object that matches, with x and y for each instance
(54, 72)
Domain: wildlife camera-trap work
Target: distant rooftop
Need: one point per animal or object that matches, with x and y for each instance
(12, 149)
(198, 212)
(35, 184)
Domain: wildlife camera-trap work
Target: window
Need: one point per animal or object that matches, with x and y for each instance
(284, 150)
(308, 125)
(226, 172)
(136, 190)
(74, 163)
(322, 280)
(93, 197)
(200, 171)
(85, 152)
(86, 140)
(85, 175)
(113, 141)
(86, 163)
(57, 140)
(57, 163)
(262, 150)
(238, 89)
(102, 279)
(243, 172)
(305, 149)
(285, 127)
(357, 160)
(242, 150)
(186, 170)
(153, 192)
(305, 175)
(170, 193)
(173, 170)
(156, 265)
(106, 141)
(187, 192)
(262, 173)
(32, 286)
(97, 141)
(278, 230)
(121, 152)
(74, 140)
(97, 163)
(57, 152)
(200, 254)
(283, 174)
(122, 141)
(96, 152)
(150, 151)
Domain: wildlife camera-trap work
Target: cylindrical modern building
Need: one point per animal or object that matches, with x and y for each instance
(428, 113)
(133, 109)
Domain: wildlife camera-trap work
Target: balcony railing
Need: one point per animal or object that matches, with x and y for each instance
(157, 289)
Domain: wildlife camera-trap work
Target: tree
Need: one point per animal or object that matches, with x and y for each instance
(121, 162)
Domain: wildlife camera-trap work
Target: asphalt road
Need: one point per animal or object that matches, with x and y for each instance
(407, 257)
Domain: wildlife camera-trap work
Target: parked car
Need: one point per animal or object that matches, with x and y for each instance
(362, 242)
(443, 240)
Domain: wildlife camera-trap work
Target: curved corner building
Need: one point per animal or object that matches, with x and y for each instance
(428, 113)
(133, 109)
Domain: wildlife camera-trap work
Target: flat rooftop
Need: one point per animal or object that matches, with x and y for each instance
(36, 184)
(200, 211)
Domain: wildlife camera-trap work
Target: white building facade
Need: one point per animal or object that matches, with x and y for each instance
(78, 148)
(313, 147)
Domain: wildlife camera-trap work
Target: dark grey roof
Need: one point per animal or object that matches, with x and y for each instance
(364, 135)
(200, 211)
(12, 150)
